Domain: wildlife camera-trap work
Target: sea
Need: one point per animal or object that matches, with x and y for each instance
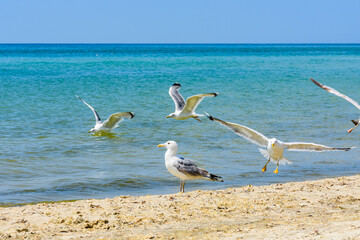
(47, 154)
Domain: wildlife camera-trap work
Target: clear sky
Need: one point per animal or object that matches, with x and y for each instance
(182, 21)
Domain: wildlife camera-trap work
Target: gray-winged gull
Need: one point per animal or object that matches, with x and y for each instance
(275, 148)
(184, 168)
(185, 110)
(333, 91)
(110, 123)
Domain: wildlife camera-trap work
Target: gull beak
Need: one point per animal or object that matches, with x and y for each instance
(273, 144)
(167, 116)
(89, 131)
(161, 145)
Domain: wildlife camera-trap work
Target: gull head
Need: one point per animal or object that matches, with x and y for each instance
(172, 115)
(169, 145)
(273, 142)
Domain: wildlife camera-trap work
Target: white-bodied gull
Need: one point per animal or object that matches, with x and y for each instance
(333, 91)
(275, 148)
(110, 123)
(185, 110)
(184, 168)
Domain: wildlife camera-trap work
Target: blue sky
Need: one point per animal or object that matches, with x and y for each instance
(185, 21)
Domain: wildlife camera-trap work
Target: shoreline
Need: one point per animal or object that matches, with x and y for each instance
(326, 208)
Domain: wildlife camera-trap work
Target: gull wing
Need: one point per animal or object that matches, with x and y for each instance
(187, 167)
(311, 147)
(243, 131)
(97, 118)
(176, 96)
(116, 118)
(333, 91)
(193, 101)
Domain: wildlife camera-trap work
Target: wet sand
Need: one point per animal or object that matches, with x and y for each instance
(322, 209)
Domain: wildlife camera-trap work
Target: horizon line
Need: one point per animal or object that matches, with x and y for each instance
(50, 43)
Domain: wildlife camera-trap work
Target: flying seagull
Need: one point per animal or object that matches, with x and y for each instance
(333, 91)
(183, 168)
(185, 110)
(275, 148)
(110, 123)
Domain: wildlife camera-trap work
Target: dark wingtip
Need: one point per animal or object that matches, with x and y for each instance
(215, 178)
(317, 83)
(209, 116)
(346, 149)
(79, 98)
(177, 84)
(356, 122)
(132, 114)
(215, 94)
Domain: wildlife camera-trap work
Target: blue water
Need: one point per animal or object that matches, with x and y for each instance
(46, 153)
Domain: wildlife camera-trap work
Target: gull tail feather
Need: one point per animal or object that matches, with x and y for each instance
(285, 161)
(265, 153)
(282, 161)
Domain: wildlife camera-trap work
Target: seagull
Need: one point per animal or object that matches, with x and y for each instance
(184, 168)
(110, 123)
(275, 148)
(333, 91)
(186, 110)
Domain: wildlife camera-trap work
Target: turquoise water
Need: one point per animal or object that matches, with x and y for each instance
(46, 153)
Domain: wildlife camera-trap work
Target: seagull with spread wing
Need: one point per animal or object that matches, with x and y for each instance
(184, 168)
(275, 148)
(185, 110)
(333, 91)
(110, 123)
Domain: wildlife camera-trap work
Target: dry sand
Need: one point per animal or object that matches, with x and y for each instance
(323, 209)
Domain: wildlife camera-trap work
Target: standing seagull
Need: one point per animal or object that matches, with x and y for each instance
(333, 91)
(109, 124)
(186, 110)
(183, 168)
(275, 148)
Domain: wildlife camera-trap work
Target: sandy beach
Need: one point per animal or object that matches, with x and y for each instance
(322, 209)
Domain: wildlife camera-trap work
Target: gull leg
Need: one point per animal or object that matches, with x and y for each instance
(277, 166)
(183, 186)
(197, 119)
(180, 185)
(351, 129)
(264, 168)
